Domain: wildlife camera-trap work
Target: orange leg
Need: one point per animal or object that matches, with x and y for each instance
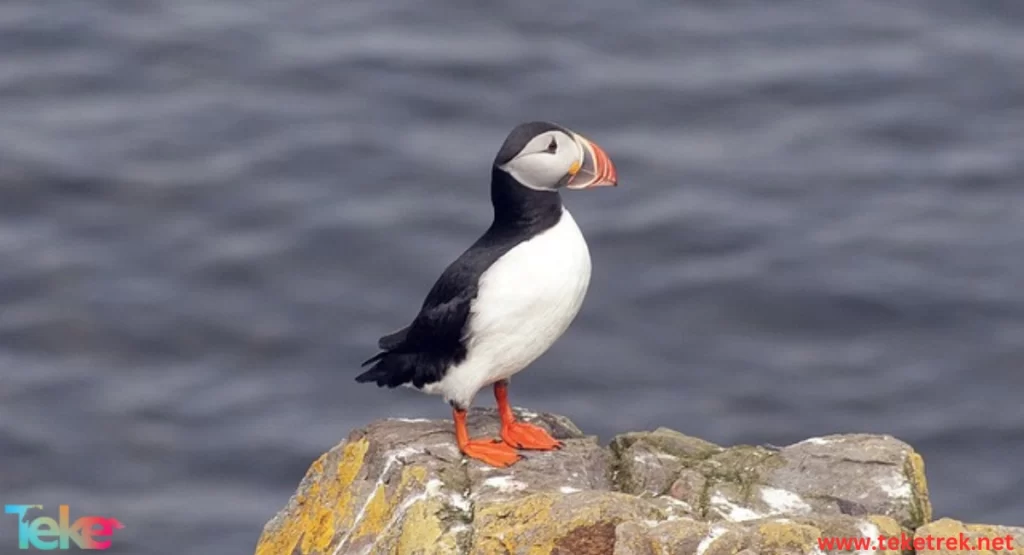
(521, 434)
(490, 451)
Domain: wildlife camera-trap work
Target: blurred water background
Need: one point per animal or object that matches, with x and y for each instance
(210, 210)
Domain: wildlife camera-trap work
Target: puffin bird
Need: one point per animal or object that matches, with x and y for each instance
(510, 296)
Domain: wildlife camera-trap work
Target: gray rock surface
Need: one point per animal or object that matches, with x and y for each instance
(402, 487)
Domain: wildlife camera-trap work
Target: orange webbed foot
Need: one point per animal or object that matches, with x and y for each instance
(527, 436)
(490, 451)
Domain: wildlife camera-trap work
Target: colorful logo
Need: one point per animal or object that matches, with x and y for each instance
(45, 533)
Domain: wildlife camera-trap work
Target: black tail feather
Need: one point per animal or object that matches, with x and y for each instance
(393, 340)
(374, 374)
(393, 368)
(373, 359)
(389, 369)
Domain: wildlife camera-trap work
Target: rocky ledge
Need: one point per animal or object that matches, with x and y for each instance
(402, 487)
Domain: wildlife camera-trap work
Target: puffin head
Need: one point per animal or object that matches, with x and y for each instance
(545, 156)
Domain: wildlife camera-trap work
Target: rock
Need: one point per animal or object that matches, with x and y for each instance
(631, 538)
(551, 522)
(855, 474)
(649, 462)
(394, 487)
(402, 487)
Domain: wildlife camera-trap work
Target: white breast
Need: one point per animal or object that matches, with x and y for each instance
(526, 300)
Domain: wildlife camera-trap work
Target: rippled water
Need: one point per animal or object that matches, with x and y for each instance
(210, 209)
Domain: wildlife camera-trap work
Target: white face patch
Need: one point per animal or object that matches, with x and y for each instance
(545, 161)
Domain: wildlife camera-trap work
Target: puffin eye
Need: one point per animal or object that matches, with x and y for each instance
(552, 146)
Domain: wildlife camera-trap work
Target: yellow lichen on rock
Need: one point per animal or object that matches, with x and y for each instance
(348, 468)
(318, 523)
(380, 511)
(285, 539)
(919, 488)
(375, 515)
(319, 508)
(421, 529)
(335, 499)
(499, 525)
(888, 527)
(787, 537)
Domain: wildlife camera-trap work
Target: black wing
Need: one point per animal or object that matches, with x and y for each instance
(393, 340)
(421, 352)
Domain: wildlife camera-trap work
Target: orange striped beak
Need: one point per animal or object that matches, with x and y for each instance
(595, 170)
